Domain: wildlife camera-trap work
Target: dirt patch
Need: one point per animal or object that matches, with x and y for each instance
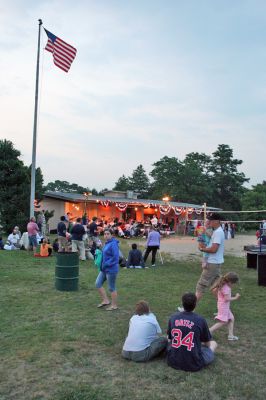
(187, 247)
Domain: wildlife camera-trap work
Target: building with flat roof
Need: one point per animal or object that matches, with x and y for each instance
(120, 205)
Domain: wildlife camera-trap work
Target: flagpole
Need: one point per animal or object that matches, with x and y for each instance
(33, 163)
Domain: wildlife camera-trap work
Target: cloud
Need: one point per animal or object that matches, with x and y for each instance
(146, 82)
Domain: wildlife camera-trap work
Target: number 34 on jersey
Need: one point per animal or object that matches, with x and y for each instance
(178, 340)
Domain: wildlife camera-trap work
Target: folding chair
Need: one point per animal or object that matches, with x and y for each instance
(161, 257)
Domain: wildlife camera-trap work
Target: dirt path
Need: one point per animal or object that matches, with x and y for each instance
(187, 247)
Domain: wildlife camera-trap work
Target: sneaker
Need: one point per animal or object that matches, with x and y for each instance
(180, 309)
(153, 265)
(146, 267)
(232, 337)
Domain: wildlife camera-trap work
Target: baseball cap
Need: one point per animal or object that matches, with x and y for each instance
(214, 217)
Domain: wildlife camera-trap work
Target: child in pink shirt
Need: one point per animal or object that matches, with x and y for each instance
(223, 290)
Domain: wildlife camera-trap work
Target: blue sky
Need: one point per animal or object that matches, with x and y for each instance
(151, 78)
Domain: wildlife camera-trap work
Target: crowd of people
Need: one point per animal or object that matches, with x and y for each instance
(125, 229)
(35, 235)
(229, 228)
(86, 236)
(188, 344)
(87, 240)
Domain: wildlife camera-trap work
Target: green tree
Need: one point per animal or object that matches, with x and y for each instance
(166, 175)
(186, 181)
(195, 179)
(226, 180)
(255, 199)
(139, 182)
(64, 186)
(15, 188)
(123, 184)
(39, 188)
(202, 160)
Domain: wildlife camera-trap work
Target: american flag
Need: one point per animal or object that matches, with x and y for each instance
(63, 53)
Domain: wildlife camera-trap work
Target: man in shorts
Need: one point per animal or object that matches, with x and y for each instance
(33, 230)
(190, 346)
(93, 229)
(62, 233)
(215, 253)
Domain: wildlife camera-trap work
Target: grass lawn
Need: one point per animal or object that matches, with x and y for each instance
(58, 345)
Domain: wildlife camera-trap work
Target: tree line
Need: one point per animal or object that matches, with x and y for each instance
(198, 178)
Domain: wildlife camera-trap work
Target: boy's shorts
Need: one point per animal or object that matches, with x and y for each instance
(209, 275)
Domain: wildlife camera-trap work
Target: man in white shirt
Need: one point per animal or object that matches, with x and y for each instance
(215, 251)
(12, 241)
(154, 221)
(143, 341)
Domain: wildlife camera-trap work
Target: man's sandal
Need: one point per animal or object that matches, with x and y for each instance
(103, 305)
(111, 308)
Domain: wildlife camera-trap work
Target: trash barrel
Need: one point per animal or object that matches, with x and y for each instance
(262, 269)
(67, 271)
(252, 260)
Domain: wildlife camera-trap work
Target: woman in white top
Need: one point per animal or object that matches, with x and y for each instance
(143, 341)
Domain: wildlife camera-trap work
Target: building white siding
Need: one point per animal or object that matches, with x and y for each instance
(59, 209)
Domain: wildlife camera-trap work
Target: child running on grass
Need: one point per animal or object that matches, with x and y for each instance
(223, 291)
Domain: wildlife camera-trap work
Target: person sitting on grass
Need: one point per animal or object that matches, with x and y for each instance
(143, 341)
(12, 242)
(45, 249)
(135, 258)
(190, 343)
(16, 229)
